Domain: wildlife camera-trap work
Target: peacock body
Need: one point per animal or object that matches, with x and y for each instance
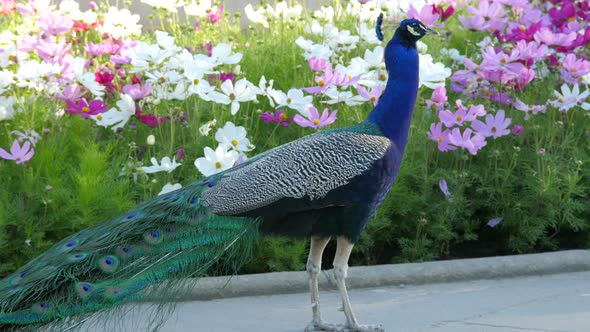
(323, 185)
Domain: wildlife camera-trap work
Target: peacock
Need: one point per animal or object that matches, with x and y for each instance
(325, 185)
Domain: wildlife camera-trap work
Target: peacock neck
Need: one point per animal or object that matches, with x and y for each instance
(393, 112)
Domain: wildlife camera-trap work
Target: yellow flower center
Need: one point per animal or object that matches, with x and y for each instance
(373, 98)
(316, 122)
(494, 129)
(522, 27)
(459, 118)
(217, 164)
(382, 77)
(503, 61)
(86, 109)
(234, 142)
(283, 116)
(12, 58)
(574, 70)
(560, 100)
(196, 81)
(289, 100)
(321, 83)
(439, 139)
(571, 19)
(99, 117)
(232, 96)
(487, 93)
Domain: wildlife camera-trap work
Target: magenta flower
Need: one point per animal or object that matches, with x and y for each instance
(314, 120)
(279, 117)
(149, 120)
(18, 153)
(180, 154)
(495, 126)
(216, 16)
(563, 14)
(444, 13)
(441, 137)
(517, 130)
(466, 140)
(372, 95)
(53, 24)
(105, 78)
(317, 64)
(86, 109)
(136, 91)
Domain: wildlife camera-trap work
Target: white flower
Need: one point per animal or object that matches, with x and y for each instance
(206, 128)
(267, 90)
(216, 161)
(342, 96)
(196, 84)
(293, 99)
(256, 16)
(87, 79)
(71, 9)
(6, 80)
(368, 33)
(327, 14)
(221, 54)
(120, 23)
(422, 48)
(168, 5)
(166, 165)
(114, 117)
(7, 107)
(198, 8)
(452, 53)
(151, 140)
(243, 91)
(146, 56)
(313, 50)
(569, 98)
(432, 74)
(169, 187)
(233, 137)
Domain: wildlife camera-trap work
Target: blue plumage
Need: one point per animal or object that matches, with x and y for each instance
(324, 185)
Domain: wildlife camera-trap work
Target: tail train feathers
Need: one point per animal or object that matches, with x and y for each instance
(168, 238)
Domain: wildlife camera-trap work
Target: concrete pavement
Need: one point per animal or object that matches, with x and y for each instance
(548, 303)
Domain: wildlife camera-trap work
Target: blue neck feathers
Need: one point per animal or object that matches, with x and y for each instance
(393, 113)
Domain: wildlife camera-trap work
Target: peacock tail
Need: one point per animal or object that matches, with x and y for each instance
(168, 238)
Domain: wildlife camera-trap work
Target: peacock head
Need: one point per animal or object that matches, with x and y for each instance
(412, 30)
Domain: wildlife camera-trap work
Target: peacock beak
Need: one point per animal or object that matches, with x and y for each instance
(430, 31)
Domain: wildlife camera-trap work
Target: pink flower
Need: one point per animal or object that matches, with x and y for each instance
(216, 16)
(279, 117)
(373, 95)
(18, 153)
(549, 38)
(466, 141)
(495, 126)
(317, 64)
(573, 69)
(438, 99)
(71, 92)
(426, 14)
(136, 91)
(490, 17)
(86, 109)
(441, 137)
(314, 120)
(53, 24)
(105, 78)
(517, 130)
(462, 115)
(7, 6)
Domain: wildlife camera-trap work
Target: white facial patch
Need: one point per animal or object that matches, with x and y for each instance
(412, 31)
(422, 26)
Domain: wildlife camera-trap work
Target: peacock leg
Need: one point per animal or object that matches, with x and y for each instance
(343, 250)
(314, 266)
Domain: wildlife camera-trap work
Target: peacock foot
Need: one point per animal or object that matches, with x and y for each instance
(364, 328)
(318, 325)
